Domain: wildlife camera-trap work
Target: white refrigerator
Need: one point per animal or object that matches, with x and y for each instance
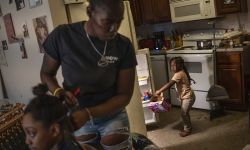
(146, 84)
(77, 12)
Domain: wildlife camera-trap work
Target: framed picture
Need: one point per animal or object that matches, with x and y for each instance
(2, 57)
(9, 27)
(5, 45)
(23, 50)
(25, 30)
(41, 30)
(1, 13)
(35, 3)
(19, 4)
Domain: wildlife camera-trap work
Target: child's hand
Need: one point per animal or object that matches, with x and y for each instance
(157, 96)
(154, 98)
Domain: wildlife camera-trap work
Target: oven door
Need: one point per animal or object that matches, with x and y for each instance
(200, 68)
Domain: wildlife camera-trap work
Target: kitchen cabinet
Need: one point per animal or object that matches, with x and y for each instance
(155, 11)
(136, 11)
(230, 6)
(150, 11)
(230, 75)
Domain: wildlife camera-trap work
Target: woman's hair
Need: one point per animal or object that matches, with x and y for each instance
(45, 108)
(181, 66)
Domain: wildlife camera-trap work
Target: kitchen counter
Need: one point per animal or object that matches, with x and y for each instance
(163, 52)
(229, 49)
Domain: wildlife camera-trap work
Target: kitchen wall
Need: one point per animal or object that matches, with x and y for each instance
(227, 22)
(21, 74)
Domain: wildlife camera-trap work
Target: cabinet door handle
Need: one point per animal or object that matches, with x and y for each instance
(230, 69)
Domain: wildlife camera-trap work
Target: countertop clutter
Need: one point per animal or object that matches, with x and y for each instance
(235, 39)
(238, 49)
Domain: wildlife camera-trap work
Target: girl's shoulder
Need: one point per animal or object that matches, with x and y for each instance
(181, 72)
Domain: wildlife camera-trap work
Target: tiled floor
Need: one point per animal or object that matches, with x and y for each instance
(229, 132)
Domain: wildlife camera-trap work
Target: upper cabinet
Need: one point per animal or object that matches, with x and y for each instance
(136, 11)
(162, 10)
(150, 11)
(230, 6)
(155, 11)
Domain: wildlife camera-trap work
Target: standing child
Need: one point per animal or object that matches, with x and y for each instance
(182, 82)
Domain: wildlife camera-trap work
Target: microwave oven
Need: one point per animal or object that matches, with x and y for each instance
(187, 10)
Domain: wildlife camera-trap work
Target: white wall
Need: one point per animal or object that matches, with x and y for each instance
(21, 74)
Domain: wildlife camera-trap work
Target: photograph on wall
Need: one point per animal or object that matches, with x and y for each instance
(5, 45)
(9, 27)
(41, 30)
(23, 50)
(35, 3)
(25, 30)
(19, 4)
(3, 60)
(1, 13)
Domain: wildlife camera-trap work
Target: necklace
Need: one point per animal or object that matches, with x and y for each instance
(103, 62)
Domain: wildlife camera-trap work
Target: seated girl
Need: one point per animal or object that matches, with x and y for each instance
(46, 124)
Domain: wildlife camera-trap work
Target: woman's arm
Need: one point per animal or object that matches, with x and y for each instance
(48, 76)
(125, 88)
(48, 72)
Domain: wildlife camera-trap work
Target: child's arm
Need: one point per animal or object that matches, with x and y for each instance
(157, 93)
(165, 87)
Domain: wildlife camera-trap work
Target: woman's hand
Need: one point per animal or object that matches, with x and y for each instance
(78, 118)
(68, 97)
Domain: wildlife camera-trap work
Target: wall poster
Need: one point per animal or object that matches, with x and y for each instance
(9, 27)
(25, 31)
(35, 3)
(23, 50)
(19, 4)
(41, 30)
(1, 13)
(5, 45)
(3, 60)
